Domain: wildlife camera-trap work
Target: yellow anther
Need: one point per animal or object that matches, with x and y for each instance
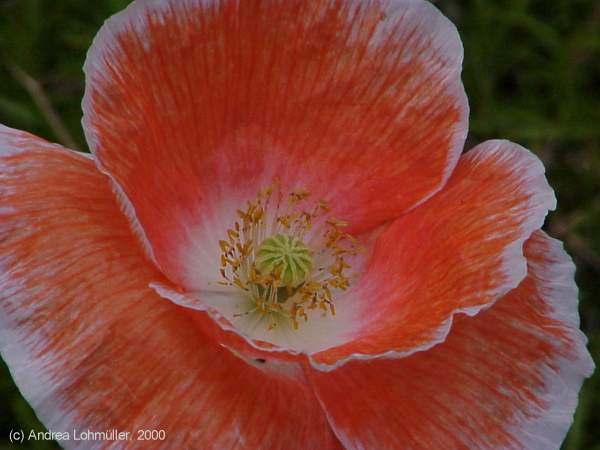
(224, 246)
(336, 223)
(242, 215)
(323, 205)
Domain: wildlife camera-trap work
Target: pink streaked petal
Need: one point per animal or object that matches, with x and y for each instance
(457, 253)
(192, 106)
(507, 378)
(91, 346)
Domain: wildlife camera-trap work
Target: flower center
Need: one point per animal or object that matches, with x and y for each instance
(286, 257)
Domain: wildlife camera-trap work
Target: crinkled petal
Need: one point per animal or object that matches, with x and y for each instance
(92, 347)
(192, 106)
(457, 253)
(507, 378)
(216, 324)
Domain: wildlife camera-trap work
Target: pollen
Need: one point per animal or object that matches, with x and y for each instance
(287, 256)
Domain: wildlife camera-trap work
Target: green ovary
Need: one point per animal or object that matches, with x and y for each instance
(286, 255)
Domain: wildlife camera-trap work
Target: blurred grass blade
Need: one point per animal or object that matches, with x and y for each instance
(35, 89)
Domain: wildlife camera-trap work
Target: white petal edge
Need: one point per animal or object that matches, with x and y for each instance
(549, 429)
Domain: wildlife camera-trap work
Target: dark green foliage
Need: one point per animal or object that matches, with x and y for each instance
(532, 74)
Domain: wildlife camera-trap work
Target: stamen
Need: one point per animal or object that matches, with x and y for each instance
(284, 278)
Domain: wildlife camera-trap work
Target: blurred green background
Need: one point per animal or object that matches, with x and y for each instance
(532, 74)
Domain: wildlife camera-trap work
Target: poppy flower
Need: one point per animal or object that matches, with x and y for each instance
(276, 243)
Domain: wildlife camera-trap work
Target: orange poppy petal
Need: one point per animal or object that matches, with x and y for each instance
(508, 378)
(92, 347)
(192, 106)
(457, 253)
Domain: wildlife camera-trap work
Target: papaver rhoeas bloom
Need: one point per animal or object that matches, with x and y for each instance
(277, 243)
